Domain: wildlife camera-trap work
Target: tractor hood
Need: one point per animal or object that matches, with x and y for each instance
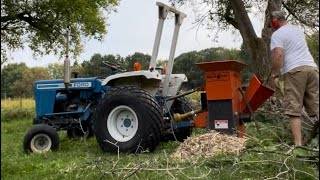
(77, 83)
(154, 75)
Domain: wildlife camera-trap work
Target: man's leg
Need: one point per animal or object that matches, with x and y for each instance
(295, 123)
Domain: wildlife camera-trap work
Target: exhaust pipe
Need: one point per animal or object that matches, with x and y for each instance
(66, 70)
(179, 117)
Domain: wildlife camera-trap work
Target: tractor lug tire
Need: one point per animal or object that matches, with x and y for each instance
(41, 138)
(128, 119)
(181, 106)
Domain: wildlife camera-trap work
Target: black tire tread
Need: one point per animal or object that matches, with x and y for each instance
(181, 105)
(41, 128)
(154, 126)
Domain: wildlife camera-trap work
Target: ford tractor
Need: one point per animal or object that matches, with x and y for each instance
(128, 111)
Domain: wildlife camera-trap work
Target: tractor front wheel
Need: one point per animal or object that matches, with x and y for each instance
(41, 138)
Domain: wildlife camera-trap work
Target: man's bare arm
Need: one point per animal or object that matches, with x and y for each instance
(277, 60)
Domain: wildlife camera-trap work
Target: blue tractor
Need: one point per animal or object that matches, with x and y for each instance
(126, 111)
(58, 108)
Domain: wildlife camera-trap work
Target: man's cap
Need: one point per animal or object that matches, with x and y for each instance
(278, 15)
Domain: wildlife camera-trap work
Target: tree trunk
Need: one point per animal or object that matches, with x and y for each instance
(21, 101)
(258, 48)
(273, 5)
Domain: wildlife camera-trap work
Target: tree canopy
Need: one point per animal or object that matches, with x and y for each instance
(143, 59)
(186, 63)
(55, 70)
(42, 24)
(24, 87)
(95, 67)
(9, 74)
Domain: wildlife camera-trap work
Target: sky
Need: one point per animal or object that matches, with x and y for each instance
(132, 29)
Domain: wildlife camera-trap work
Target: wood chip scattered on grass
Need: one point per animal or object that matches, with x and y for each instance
(208, 145)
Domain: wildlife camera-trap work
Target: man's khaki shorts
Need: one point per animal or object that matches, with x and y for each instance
(301, 88)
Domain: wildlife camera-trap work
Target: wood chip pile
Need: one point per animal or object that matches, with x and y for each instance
(208, 145)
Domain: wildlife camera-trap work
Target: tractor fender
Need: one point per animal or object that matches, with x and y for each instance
(177, 77)
(150, 81)
(175, 83)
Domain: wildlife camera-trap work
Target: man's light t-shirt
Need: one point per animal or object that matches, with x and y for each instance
(296, 52)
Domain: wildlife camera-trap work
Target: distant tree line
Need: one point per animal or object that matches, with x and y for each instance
(17, 78)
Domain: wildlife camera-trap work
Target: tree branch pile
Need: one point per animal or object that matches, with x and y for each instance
(272, 111)
(273, 108)
(208, 145)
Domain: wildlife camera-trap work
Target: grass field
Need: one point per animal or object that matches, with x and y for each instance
(82, 159)
(17, 103)
(17, 109)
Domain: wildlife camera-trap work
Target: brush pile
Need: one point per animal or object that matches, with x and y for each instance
(208, 145)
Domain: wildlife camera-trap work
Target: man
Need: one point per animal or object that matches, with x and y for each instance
(291, 59)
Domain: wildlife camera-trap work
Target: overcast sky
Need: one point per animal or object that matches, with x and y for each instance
(132, 29)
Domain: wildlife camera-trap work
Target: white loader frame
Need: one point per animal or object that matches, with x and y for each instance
(166, 85)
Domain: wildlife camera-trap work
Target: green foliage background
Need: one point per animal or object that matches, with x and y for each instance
(42, 25)
(16, 78)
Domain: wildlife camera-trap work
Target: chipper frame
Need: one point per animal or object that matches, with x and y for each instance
(226, 104)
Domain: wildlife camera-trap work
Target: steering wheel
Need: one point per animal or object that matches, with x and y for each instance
(114, 66)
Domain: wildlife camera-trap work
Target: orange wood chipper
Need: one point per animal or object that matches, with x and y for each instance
(226, 104)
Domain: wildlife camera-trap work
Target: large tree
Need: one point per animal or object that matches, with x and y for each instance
(55, 70)
(143, 59)
(234, 14)
(95, 67)
(9, 74)
(186, 63)
(24, 87)
(42, 24)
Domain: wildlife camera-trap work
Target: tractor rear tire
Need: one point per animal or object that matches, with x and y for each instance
(41, 138)
(128, 119)
(181, 106)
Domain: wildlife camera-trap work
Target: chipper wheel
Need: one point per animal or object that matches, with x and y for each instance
(41, 138)
(181, 106)
(128, 118)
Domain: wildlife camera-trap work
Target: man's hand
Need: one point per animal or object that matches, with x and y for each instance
(276, 87)
(275, 84)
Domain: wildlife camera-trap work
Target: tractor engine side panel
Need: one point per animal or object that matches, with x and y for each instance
(45, 101)
(51, 96)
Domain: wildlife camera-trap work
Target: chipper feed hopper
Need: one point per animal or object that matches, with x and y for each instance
(226, 104)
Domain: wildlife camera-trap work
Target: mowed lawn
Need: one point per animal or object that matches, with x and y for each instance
(82, 159)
